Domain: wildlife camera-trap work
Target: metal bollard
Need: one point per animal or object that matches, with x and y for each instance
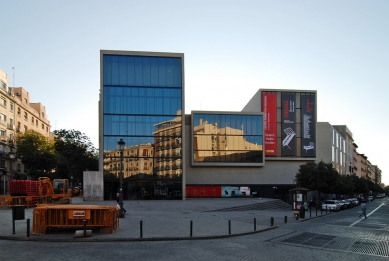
(310, 212)
(191, 228)
(271, 221)
(229, 227)
(84, 227)
(255, 224)
(297, 216)
(28, 227)
(316, 211)
(141, 229)
(286, 219)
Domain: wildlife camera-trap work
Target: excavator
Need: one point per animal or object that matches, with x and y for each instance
(53, 191)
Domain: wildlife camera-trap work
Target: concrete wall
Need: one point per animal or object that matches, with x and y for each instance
(324, 142)
(93, 188)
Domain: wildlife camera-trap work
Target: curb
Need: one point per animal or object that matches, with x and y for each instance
(89, 239)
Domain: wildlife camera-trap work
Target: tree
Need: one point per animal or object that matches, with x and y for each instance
(75, 153)
(36, 153)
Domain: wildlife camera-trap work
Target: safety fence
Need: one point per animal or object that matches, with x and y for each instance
(45, 217)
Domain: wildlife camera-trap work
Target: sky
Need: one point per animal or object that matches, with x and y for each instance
(232, 49)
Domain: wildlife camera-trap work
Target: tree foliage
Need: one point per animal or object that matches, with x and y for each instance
(75, 153)
(70, 153)
(323, 177)
(36, 152)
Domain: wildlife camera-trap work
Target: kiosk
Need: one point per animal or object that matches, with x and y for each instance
(299, 201)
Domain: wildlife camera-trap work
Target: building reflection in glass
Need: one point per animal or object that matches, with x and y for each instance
(142, 101)
(230, 138)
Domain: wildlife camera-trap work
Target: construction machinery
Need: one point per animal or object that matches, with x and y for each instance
(32, 192)
(54, 191)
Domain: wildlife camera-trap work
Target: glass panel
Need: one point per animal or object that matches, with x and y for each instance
(139, 111)
(227, 138)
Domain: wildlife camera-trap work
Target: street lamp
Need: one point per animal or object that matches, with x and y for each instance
(71, 181)
(121, 144)
(11, 155)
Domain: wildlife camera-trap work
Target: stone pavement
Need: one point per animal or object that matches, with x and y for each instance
(167, 220)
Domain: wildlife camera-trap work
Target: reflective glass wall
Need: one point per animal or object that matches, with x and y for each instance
(142, 104)
(229, 139)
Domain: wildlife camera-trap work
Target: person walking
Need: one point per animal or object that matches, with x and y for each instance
(363, 208)
(117, 200)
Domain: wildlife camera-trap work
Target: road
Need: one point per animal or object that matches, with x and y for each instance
(338, 236)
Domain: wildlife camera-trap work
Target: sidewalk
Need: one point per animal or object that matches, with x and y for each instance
(166, 220)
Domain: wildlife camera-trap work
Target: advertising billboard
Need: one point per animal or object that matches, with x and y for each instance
(308, 111)
(269, 109)
(288, 124)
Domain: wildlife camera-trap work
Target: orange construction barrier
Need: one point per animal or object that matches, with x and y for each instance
(106, 218)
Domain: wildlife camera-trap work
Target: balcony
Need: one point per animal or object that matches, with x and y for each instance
(10, 126)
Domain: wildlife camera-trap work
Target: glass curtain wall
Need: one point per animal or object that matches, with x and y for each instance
(227, 138)
(142, 105)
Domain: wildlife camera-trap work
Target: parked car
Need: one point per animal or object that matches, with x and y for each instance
(356, 201)
(332, 205)
(350, 203)
(342, 203)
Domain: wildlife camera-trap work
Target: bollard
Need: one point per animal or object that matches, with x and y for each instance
(84, 227)
(255, 224)
(191, 228)
(310, 212)
(316, 211)
(229, 227)
(286, 219)
(271, 221)
(141, 229)
(297, 216)
(28, 227)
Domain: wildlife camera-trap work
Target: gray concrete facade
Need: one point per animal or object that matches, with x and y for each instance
(93, 187)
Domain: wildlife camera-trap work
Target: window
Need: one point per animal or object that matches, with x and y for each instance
(25, 116)
(3, 102)
(19, 111)
(11, 106)
(3, 118)
(3, 85)
(32, 120)
(43, 126)
(2, 133)
(25, 128)
(36, 123)
(43, 114)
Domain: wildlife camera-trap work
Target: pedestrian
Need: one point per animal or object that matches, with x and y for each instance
(363, 208)
(117, 200)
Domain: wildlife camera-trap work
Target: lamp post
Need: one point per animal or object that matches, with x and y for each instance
(71, 180)
(11, 155)
(121, 144)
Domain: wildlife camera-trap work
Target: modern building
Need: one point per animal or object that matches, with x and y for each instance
(17, 114)
(170, 154)
(142, 103)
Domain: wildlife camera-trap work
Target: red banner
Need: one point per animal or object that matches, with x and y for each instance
(269, 108)
(203, 191)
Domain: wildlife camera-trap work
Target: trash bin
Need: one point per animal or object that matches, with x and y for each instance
(302, 212)
(18, 212)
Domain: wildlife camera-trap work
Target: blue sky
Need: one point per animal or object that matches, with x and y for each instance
(232, 49)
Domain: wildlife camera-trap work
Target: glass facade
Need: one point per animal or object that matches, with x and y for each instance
(142, 104)
(227, 139)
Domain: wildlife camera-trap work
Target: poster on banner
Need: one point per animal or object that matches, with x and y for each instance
(228, 192)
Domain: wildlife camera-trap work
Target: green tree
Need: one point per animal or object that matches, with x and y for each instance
(36, 153)
(75, 153)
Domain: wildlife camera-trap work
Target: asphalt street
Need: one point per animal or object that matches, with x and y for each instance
(336, 236)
